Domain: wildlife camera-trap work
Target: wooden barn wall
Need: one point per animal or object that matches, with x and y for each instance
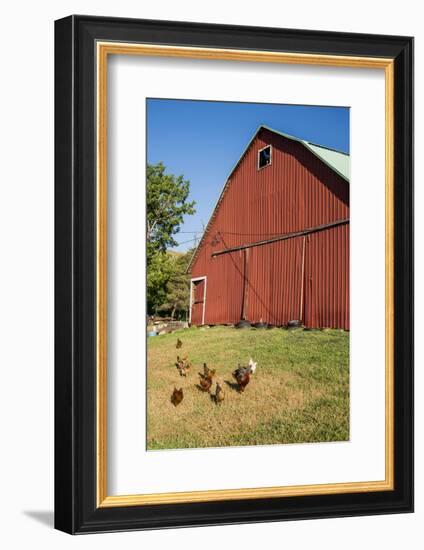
(296, 192)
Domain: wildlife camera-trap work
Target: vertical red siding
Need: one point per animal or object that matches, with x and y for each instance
(274, 282)
(298, 191)
(327, 279)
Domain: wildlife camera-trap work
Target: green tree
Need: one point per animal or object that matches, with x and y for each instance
(159, 271)
(177, 298)
(167, 204)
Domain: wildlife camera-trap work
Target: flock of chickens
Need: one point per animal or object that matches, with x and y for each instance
(241, 375)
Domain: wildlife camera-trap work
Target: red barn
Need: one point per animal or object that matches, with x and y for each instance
(276, 248)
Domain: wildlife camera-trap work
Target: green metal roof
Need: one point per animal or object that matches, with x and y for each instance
(338, 161)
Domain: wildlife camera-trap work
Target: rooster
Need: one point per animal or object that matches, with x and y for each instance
(179, 344)
(242, 374)
(177, 396)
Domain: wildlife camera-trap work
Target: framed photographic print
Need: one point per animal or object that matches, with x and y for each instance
(234, 274)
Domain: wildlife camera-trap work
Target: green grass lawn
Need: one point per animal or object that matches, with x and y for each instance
(299, 392)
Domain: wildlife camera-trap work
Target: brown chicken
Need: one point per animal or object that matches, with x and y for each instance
(207, 372)
(219, 394)
(179, 363)
(184, 370)
(182, 365)
(205, 382)
(179, 344)
(177, 396)
(242, 376)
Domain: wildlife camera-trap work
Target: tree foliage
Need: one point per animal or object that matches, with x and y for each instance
(159, 271)
(177, 298)
(167, 204)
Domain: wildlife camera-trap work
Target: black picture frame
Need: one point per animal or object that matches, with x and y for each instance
(76, 510)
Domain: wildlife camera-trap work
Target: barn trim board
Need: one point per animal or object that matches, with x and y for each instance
(282, 237)
(193, 281)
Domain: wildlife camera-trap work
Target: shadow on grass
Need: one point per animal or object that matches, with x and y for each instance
(199, 387)
(233, 385)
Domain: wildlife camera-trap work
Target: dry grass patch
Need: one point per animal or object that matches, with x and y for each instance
(299, 393)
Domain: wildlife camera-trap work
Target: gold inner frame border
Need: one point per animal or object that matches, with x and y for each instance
(103, 50)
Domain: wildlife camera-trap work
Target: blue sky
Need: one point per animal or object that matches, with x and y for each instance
(204, 139)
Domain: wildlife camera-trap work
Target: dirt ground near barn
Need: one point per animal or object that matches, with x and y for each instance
(299, 392)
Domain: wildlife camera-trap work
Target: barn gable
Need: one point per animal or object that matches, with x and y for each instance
(256, 239)
(336, 160)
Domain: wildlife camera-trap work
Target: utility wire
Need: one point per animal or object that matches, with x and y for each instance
(185, 242)
(248, 234)
(232, 233)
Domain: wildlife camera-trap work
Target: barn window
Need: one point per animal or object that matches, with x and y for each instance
(264, 157)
